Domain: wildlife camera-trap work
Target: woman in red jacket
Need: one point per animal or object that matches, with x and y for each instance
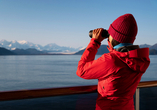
(119, 71)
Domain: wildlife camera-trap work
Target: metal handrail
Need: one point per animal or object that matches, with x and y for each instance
(38, 93)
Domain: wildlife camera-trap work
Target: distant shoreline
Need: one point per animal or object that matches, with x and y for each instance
(32, 51)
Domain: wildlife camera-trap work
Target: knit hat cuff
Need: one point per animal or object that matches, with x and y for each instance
(119, 36)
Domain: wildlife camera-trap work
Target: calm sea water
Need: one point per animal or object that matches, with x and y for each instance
(47, 71)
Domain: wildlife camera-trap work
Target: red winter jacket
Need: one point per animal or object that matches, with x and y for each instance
(118, 75)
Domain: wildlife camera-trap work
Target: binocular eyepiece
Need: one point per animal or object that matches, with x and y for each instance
(104, 33)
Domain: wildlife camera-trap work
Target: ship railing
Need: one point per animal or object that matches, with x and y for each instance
(50, 92)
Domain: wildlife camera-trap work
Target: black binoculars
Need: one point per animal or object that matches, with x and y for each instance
(104, 33)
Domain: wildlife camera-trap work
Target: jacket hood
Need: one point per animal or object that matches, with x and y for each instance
(136, 58)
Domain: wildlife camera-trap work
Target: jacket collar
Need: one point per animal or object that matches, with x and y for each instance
(122, 45)
(135, 51)
(127, 48)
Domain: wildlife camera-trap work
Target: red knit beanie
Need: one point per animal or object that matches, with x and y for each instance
(124, 29)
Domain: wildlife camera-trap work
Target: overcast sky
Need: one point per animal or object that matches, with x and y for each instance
(67, 22)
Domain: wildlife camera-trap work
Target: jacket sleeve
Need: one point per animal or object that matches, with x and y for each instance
(88, 68)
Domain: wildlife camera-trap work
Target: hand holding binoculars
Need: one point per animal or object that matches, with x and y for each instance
(104, 33)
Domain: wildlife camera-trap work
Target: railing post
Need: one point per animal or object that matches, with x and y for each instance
(137, 99)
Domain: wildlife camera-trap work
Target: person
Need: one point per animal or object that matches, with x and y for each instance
(119, 71)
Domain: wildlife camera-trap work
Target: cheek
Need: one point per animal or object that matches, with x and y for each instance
(109, 39)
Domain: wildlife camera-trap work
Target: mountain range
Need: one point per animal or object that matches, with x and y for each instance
(28, 48)
(52, 47)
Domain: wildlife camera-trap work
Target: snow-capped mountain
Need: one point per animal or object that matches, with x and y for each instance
(12, 45)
